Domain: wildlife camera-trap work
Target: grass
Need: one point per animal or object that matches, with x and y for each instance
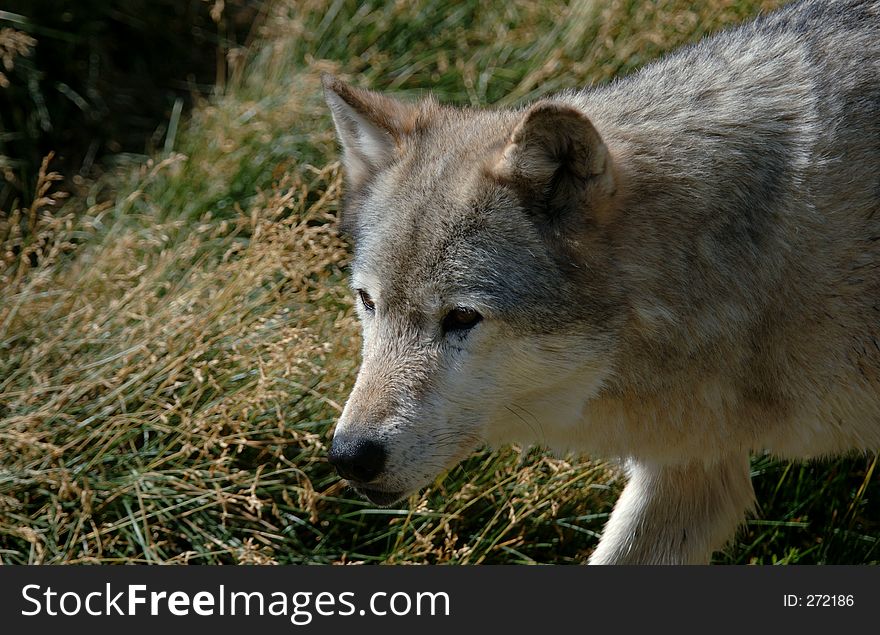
(175, 347)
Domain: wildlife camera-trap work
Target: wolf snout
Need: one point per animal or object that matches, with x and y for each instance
(357, 459)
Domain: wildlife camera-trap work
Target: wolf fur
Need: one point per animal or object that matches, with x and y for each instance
(676, 269)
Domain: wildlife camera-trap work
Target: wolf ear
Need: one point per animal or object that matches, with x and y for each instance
(370, 126)
(556, 160)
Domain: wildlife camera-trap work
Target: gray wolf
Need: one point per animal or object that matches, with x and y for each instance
(674, 269)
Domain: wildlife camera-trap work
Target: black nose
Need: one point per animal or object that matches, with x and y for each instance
(357, 459)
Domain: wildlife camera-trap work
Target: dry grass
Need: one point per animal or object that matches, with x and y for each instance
(172, 360)
(13, 44)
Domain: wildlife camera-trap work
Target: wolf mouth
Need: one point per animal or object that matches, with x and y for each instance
(378, 497)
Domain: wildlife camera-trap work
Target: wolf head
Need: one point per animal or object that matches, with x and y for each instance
(483, 279)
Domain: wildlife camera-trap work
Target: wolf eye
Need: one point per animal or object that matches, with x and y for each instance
(461, 319)
(367, 301)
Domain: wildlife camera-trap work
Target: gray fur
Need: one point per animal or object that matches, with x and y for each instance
(698, 281)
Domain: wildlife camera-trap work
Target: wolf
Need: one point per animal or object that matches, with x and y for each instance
(674, 269)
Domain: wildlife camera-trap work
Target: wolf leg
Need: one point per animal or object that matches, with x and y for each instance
(676, 514)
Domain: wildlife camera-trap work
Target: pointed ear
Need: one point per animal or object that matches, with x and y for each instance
(370, 126)
(556, 160)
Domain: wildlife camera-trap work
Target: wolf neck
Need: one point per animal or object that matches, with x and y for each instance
(713, 179)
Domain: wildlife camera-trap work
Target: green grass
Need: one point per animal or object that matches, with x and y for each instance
(173, 356)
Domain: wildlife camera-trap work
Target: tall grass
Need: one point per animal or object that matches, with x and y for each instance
(173, 358)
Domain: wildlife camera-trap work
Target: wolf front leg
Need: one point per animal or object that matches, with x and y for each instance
(676, 514)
